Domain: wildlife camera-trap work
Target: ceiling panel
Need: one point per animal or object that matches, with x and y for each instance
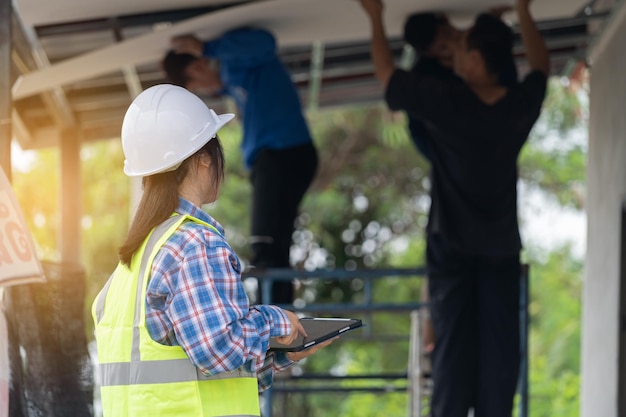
(295, 22)
(37, 12)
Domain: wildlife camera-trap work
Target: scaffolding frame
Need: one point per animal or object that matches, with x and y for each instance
(418, 379)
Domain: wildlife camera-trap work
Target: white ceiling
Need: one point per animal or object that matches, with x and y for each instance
(295, 22)
(37, 12)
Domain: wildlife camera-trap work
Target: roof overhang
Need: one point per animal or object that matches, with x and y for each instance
(93, 56)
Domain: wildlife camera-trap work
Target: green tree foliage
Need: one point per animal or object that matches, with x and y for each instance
(37, 191)
(372, 186)
(555, 310)
(554, 159)
(106, 194)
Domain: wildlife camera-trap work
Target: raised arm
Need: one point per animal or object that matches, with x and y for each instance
(380, 50)
(536, 50)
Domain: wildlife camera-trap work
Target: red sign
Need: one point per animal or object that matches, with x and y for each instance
(18, 261)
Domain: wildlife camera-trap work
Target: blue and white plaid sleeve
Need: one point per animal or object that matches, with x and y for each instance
(275, 362)
(196, 300)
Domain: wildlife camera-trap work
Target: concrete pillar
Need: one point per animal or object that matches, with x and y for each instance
(71, 197)
(606, 193)
(6, 11)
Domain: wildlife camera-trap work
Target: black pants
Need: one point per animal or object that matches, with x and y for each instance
(475, 312)
(280, 179)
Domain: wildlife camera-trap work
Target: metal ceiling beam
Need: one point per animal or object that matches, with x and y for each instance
(607, 32)
(130, 72)
(29, 55)
(546, 25)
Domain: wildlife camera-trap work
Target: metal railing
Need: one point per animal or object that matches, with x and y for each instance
(414, 376)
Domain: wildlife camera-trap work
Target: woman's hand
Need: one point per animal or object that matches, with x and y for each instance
(296, 329)
(298, 356)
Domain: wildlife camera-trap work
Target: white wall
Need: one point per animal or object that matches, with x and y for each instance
(606, 192)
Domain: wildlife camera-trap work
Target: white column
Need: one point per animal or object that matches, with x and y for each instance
(606, 193)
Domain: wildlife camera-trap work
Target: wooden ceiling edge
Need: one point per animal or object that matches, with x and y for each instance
(20, 131)
(30, 140)
(51, 137)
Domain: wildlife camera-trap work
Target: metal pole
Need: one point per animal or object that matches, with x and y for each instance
(414, 369)
(524, 320)
(317, 67)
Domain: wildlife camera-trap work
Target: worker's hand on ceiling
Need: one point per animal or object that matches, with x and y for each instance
(372, 7)
(187, 44)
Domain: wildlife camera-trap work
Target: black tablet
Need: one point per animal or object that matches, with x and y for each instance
(318, 330)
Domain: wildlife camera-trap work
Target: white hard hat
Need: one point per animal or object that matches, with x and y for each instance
(165, 125)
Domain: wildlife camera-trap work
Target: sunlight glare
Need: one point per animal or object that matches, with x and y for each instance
(21, 160)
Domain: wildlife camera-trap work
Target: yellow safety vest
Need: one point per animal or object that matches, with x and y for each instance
(140, 377)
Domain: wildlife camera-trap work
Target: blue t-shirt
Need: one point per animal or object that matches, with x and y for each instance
(262, 88)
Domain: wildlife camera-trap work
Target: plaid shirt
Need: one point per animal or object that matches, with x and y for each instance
(196, 300)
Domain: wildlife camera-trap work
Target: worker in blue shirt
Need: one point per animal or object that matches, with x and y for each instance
(277, 145)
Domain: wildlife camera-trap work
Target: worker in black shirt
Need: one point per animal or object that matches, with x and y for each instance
(433, 38)
(477, 130)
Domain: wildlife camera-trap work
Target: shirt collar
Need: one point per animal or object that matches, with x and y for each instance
(186, 207)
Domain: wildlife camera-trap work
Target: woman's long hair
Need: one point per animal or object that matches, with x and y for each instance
(160, 197)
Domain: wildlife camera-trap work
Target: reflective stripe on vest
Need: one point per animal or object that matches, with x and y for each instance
(225, 394)
(168, 371)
